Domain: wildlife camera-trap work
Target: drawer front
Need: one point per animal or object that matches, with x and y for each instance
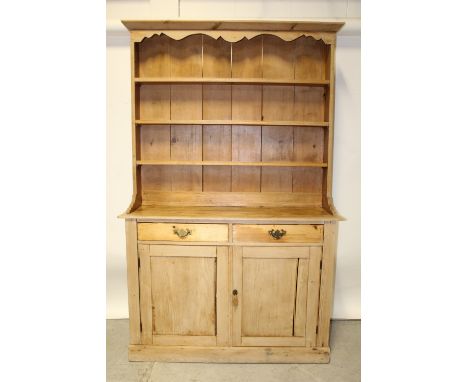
(182, 232)
(278, 233)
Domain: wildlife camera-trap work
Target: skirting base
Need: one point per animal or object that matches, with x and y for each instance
(228, 354)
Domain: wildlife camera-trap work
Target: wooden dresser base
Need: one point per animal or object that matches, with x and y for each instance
(228, 354)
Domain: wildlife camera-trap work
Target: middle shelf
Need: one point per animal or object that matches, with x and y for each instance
(230, 122)
(230, 80)
(229, 163)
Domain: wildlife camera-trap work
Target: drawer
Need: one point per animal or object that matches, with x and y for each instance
(304, 233)
(182, 232)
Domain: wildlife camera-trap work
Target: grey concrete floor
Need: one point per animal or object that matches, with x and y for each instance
(345, 364)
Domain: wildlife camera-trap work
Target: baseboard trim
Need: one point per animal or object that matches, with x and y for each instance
(228, 354)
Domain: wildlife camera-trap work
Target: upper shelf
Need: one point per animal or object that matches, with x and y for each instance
(229, 163)
(229, 122)
(255, 81)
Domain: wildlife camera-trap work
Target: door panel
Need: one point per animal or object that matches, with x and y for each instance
(269, 290)
(273, 290)
(182, 293)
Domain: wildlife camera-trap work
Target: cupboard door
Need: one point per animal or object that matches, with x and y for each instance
(184, 295)
(275, 295)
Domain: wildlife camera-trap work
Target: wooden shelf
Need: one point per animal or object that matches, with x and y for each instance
(236, 214)
(229, 163)
(230, 122)
(254, 81)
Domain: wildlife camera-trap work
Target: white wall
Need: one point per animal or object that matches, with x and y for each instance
(347, 177)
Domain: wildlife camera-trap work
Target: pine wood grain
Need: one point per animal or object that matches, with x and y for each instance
(294, 233)
(313, 290)
(232, 80)
(199, 232)
(230, 122)
(327, 283)
(132, 281)
(183, 295)
(232, 136)
(235, 163)
(243, 25)
(248, 215)
(215, 354)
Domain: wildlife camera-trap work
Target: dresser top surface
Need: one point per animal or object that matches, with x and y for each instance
(240, 25)
(232, 214)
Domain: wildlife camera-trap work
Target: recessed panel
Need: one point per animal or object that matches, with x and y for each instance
(269, 294)
(183, 295)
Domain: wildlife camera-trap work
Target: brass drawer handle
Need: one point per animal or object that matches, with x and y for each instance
(182, 233)
(276, 233)
(235, 299)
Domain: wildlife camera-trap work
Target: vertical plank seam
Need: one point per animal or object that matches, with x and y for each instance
(307, 326)
(230, 67)
(295, 297)
(293, 170)
(261, 116)
(318, 313)
(153, 323)
(202, 114)
(139, 292)
(139, 296)
(241, 295)
(229, 281)
(216, 275)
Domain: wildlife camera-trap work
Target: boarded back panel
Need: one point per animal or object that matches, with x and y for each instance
(216, 58)
(310, 59)
(278, 103)
(278, 58)
(155, 142)
(186, 57)
(277, 145)
(156, 178)
(308, 147)
(154, 101)
(154, 58)
(247, 102)
(217, 146)
(309, 103)
(186, 102)
(216, 101)
(186, 144)
(247, 58)
(246, 146)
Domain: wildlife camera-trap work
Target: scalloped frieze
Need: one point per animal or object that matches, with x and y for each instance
(328, 38)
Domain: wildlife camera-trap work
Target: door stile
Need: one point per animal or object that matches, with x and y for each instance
(146, 308)
(223, 305)
(313, 290)
(236, 285)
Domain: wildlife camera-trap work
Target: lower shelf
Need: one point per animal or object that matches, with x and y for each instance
(228, 354)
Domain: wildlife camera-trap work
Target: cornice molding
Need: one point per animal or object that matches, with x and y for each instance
(115, 29)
